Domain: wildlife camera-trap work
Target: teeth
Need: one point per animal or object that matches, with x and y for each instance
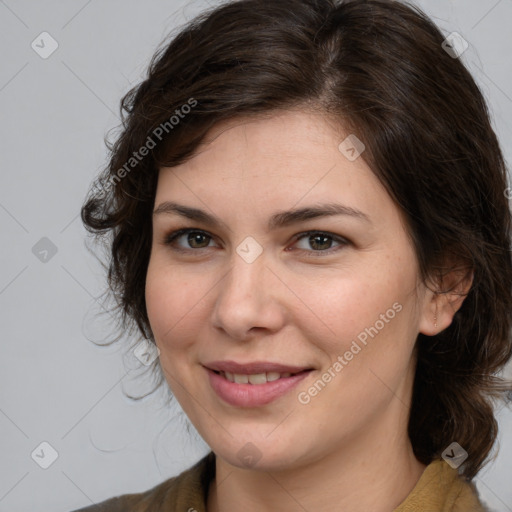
(241, 379)
(258, 378)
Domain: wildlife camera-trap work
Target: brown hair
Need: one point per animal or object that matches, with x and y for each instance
(380, 69)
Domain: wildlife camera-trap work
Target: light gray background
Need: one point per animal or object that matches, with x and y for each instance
(55, 385)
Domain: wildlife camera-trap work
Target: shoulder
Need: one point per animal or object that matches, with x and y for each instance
(441, 488)
(184, 492)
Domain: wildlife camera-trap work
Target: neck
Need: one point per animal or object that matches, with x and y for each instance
(374, 472)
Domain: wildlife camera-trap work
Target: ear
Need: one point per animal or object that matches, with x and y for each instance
(443, 297)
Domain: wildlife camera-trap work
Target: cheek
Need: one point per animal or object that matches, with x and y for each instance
(172, 302)
(362, 301)
(374, 326)
(379, 339)
(159, 297)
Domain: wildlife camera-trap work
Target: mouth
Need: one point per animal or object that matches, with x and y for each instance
(256, 378)
(255, 384)
(254, 367)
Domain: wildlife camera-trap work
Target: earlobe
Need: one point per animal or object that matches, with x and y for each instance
(430, 318)
(445, 300)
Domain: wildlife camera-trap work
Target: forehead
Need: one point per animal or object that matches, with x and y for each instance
(271, 163)
(274, 134)
(294, 144)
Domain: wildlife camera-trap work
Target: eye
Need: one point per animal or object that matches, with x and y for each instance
(319, 240)
(196, 239)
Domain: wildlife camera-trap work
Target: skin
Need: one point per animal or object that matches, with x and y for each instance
(347, 448)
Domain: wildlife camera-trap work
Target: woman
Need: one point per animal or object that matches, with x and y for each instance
(308, 218)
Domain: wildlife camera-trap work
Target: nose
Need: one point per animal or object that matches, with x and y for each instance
(249, 300)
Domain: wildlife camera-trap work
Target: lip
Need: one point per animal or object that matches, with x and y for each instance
(253, 395)
(254, 367)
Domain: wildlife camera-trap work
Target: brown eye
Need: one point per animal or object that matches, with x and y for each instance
(321, 243)
(193, 239)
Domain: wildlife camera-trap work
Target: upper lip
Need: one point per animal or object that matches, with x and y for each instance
(253, 368)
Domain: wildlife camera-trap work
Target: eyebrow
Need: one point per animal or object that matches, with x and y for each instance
(279, 220)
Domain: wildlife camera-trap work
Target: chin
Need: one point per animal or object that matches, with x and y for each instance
(261, 454)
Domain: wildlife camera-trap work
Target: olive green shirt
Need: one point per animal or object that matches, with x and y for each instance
(440, 489)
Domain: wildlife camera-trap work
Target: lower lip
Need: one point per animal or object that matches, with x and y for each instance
(253, 395)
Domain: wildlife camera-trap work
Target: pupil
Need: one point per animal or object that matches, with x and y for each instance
(193, 238)
(320, 237)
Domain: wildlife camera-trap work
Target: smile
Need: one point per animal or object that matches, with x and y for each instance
(255, 378)
(253, 390)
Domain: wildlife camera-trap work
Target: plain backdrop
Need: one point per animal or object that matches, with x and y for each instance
(70, 437)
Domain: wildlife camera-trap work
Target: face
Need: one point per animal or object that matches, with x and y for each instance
(335, 295)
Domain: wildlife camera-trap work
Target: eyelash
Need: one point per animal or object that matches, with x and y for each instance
(171, 237)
